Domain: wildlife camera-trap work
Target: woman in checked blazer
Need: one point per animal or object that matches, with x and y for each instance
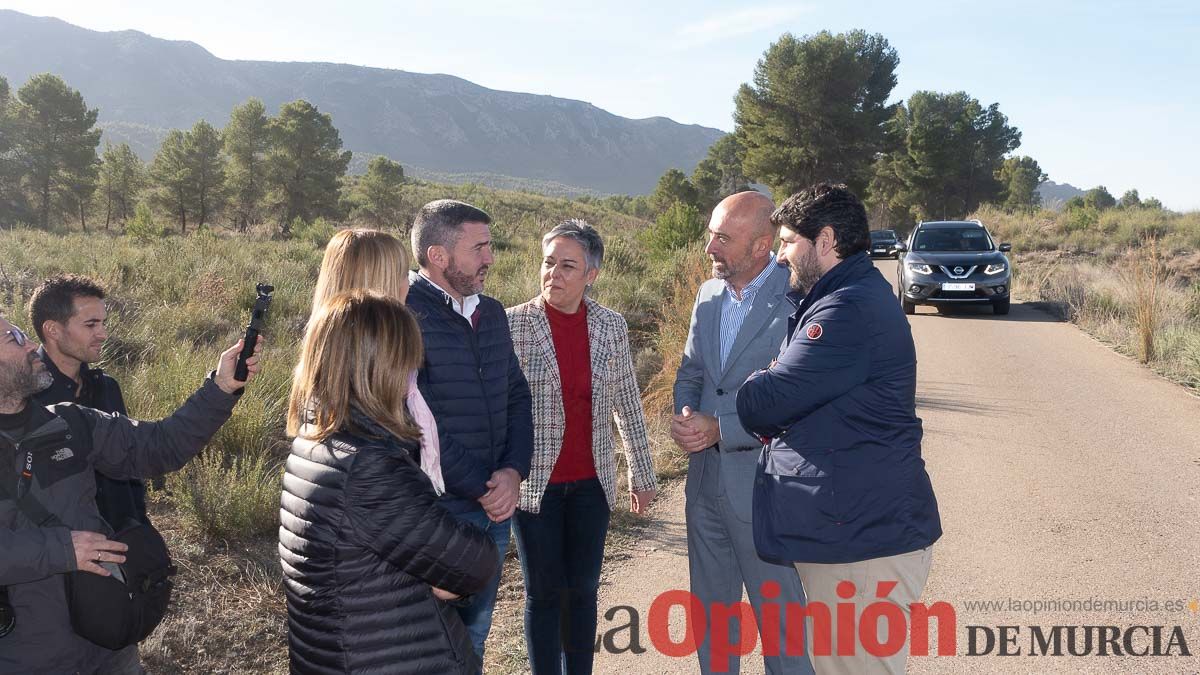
(575, 354)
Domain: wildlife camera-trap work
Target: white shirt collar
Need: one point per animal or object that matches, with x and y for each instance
(466, 308)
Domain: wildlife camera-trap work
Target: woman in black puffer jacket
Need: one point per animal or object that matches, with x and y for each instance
(367, 552)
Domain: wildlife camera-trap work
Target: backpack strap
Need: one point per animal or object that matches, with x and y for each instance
(28, 504)
(73, 416)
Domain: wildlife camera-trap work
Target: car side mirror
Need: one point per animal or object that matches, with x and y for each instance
(901, 247)
(1005, 248)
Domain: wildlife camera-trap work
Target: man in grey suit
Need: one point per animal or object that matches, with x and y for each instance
(738, 323)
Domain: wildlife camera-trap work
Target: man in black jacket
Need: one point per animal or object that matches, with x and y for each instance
(472, 381)
(69, 315)
(57, 468)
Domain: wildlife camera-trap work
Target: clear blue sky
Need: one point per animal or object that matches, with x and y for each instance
(1105, 93)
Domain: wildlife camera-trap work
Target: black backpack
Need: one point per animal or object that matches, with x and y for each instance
(123, 609)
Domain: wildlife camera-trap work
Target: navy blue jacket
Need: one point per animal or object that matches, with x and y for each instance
(842, 479)
(473, 383)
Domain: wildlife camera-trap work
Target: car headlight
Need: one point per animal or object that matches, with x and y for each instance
(920, 268)
(995, 268)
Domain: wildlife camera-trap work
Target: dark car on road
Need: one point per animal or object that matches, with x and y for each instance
(953, 263)
(883, 244)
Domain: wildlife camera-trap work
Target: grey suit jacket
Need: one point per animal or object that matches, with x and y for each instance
(703, 385)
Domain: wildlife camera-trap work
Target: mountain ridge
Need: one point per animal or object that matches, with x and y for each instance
(439, 122)
(1055, 195)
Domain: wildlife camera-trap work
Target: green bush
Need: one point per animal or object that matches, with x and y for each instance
(1189, 353)
(142, 226)
(229, 498)
(677, 227)
(1081, 218)
(318, 232)
(1103, 304)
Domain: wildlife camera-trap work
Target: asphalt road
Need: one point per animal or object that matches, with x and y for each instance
(1065, 473)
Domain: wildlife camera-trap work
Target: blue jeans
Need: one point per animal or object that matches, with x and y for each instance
(562, 548)
(477, 615)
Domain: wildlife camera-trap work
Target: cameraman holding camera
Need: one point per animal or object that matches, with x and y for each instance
(51, 530)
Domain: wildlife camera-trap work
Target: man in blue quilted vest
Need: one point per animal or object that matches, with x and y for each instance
(472, 380)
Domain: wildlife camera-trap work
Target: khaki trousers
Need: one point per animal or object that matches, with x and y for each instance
(908, 570)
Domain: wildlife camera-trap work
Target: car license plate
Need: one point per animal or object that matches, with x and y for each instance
(958, 287)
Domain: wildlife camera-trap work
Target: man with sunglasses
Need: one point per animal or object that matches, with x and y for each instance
(42, 461)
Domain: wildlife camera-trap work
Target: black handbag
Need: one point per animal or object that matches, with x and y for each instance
(124, 609)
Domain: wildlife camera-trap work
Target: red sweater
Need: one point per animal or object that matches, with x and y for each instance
(573, 352)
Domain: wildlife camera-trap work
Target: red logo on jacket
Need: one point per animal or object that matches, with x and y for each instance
(814, 331)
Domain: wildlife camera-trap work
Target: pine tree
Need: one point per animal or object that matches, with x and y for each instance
(55, 136)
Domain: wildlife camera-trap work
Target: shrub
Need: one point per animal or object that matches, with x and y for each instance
(1147, 276)
(1081, 218)
(230, 498)
(318, 232)
(1189, 353)
(142, 226)
(678, 226)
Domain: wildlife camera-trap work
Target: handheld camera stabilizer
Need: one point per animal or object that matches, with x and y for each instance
(258, 319)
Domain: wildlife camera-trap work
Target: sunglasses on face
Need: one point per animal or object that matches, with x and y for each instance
(18, 336)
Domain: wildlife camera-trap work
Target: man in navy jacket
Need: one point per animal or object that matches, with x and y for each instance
(472, 381)
(841, 490)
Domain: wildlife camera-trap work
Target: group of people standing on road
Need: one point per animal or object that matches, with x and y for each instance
(430, 422)
(432, 425)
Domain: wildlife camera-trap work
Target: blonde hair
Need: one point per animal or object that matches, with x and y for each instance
(357, 349)
(360, 258)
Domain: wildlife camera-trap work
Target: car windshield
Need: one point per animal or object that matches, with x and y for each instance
(952, 239)
(883, 235)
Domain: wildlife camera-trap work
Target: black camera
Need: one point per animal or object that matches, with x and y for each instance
(8, 617)
(258, 319)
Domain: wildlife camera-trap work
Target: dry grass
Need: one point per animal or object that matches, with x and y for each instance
(1130, 277)
(1106, 233)
(1134, 304)
(1145, 274)
(227, 613)
(680, 296)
